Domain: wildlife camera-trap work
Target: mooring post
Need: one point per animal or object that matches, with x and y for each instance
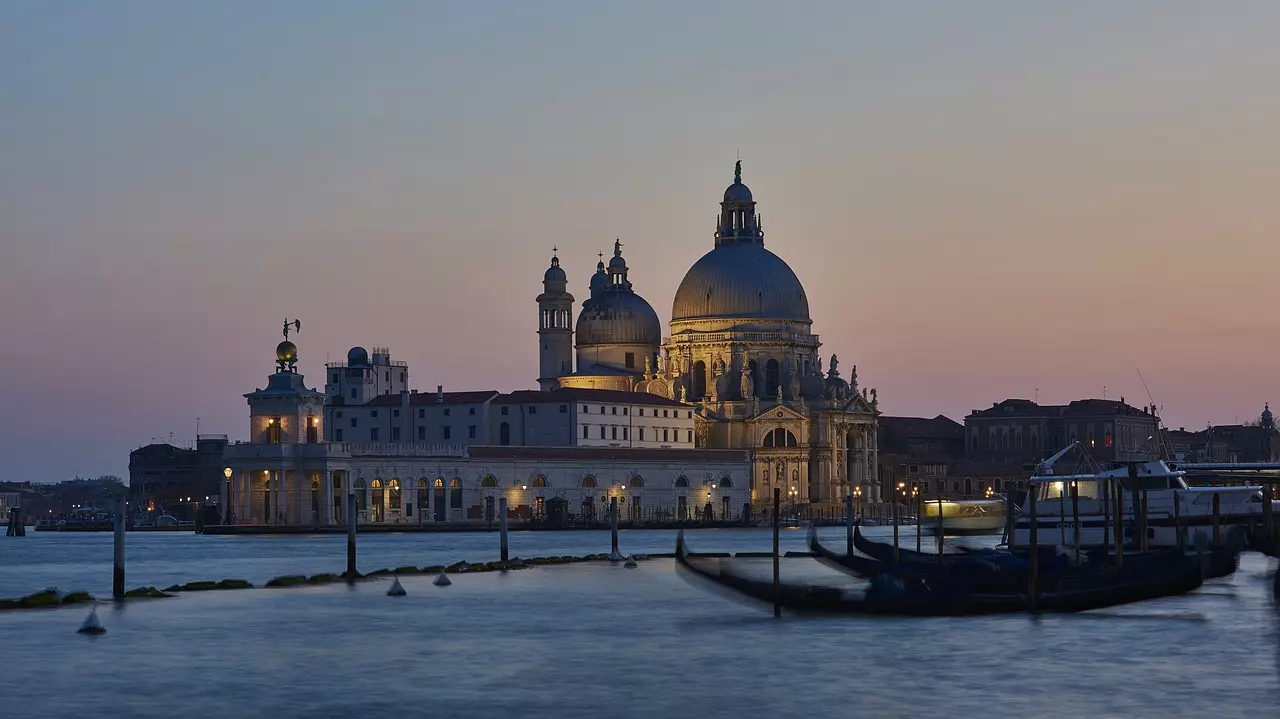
(1217, 527)
(1268, 513)
(1177, 519)
(777, 570)
(1034, 546)
(919, 507)
(1104, 492)
(351, 535)
(1119, 495)
(895, 527)
(117, 579)
(1010, 517)
(942, 526)
(502, 526)
(613, 527)
(848, 524)
(1075, 513)
(1143, 542)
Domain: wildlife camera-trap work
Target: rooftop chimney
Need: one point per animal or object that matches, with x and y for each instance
(439, 394)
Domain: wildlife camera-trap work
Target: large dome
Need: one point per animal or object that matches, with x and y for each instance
(618, 318)
(740, 280)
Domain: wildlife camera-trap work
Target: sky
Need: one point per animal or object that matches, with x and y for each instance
(983, 200)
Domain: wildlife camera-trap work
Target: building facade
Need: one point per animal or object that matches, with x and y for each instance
(1022, 431)
(295, 471)
(175, 480)
(741, 350)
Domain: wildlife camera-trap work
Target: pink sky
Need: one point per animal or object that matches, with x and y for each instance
(980, 205)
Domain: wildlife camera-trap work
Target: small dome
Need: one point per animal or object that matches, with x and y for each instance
(554, 273)
(599, 281)
(738, 192)
(357, 356)
(287, 351)
(615, 318)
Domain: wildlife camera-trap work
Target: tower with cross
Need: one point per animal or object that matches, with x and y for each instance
(555, 326)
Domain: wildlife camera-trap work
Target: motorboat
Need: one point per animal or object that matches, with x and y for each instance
(964, 517)
(1079, 509)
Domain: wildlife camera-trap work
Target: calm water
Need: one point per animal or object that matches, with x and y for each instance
(590, 640)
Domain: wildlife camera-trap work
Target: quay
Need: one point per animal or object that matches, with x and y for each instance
(294, 529)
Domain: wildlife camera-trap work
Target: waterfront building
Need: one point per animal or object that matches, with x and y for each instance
(549, 453)
(164, 478)
(740, 350)
(1253, 442)
(1021, 431)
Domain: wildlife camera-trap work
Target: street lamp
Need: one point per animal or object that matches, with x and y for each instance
(857, 500)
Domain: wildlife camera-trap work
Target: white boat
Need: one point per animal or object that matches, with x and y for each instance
(1059, 516)
(975, 516)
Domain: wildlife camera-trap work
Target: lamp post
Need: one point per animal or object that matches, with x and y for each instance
(898, 498)
(226, 472)
(857, 499)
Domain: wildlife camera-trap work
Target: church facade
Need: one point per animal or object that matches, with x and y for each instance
(740, 349)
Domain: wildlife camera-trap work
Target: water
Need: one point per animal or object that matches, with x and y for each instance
(591, 640)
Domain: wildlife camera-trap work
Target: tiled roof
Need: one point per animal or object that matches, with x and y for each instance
(1077, 408)
(629, 454)
(421, 398)
(940, 427)
(574, 394)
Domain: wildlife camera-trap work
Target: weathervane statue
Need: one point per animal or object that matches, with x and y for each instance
(295, 324)
(287, 352)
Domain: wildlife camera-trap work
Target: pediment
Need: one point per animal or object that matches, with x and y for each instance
(778, 413)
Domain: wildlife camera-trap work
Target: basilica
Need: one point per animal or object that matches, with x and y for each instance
(741, 350)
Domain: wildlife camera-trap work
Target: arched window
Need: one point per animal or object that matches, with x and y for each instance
(539, 481)
(422, 483)
(636, 482)
(771, 379)
(588, 481)
(438, 483)
(504, 434)
(375, 484)
(725, 483)
(455, 493)
(488, 481)
(682, 481)
(378, 500)
(359, 484)
(780, 438)
(699, 379)
(337, 480)
(393, 492)
(362, 498)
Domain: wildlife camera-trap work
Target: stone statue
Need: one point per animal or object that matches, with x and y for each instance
(681, 397)
(818, 366)
(793, 386)
(779, 393)
(853, 378)
(648, 366)
(717, 366)
(661, 368)
(835, 364)
(747, 385)
(875, 400)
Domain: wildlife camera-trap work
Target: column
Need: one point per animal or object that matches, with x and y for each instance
(326, 498)
(277, 495)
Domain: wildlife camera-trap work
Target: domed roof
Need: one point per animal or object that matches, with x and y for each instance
(617, 318)
(740, 280)
(554, 273)
(737, 192)
(357, 356)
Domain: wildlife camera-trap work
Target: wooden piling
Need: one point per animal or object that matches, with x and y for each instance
(848, 524)
(1217, 521)
(1104, 492)
(117, 579)
(613, 528)
(351, 535)
(1075, 513)
(1177, 519)
(502, 527)
(777, 569)
(919, 507)
(1034, 547)
(941, 534)
(1143, 539)
(895, 526)
(1268, 514)
(1010, 517)
(1119, 495)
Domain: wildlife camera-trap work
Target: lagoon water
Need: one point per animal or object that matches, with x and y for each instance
(590, 640)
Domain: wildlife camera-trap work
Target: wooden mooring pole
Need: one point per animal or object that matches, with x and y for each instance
(502, 527)
(848, 524)
(1143, 540)
(1268, 514)
(351, 535)
(1217, 517)
(777, 569)
(941, 526)
(1104, 492)
(919, 511)
(1119, 495)
(1010, 518)
(1177, 520)
(1075, 513)
(117, 578)
(895, 526)
(1034, 546)
(613, 528)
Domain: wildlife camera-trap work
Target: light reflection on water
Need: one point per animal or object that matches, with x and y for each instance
(593, 640)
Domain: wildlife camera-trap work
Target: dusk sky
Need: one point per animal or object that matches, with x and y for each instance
(983, 200)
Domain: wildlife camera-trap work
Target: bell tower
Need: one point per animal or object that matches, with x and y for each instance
(555, 327)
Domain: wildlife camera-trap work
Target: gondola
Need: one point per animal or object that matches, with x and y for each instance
(884, 553)
(890, 596)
